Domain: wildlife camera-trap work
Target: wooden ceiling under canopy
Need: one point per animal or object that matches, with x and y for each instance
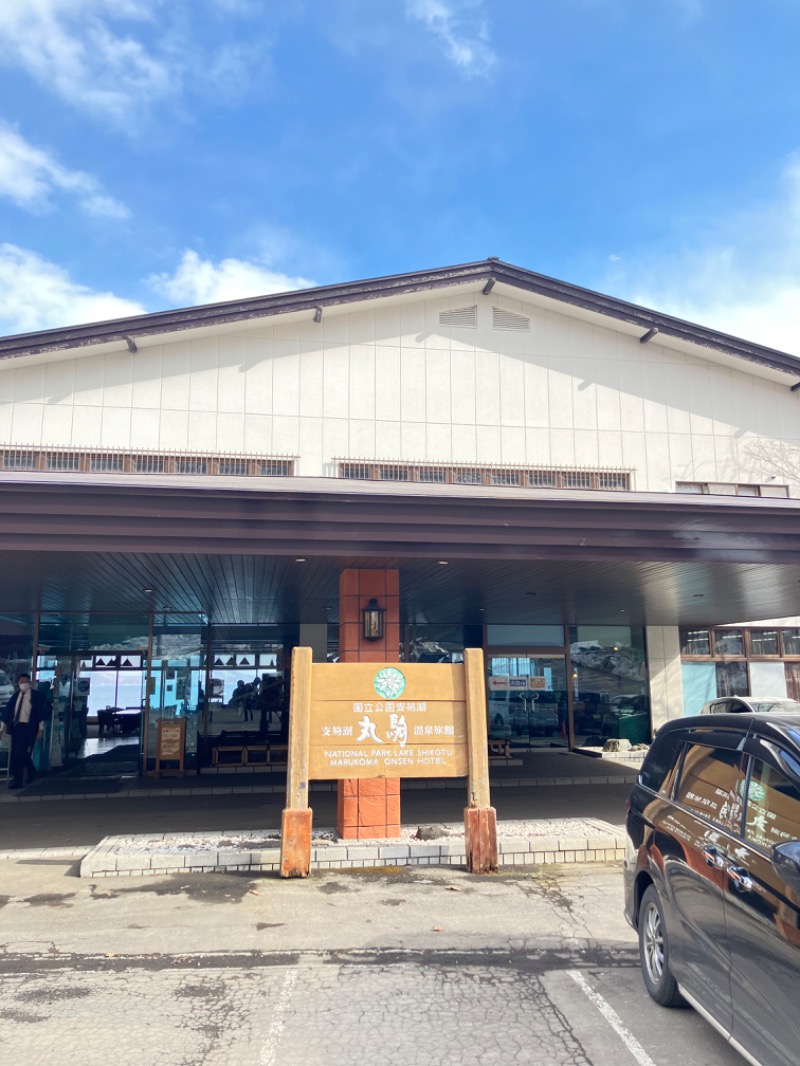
(465, 555)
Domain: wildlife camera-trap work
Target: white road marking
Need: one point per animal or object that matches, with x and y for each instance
(270, 1046)
(613, 1019)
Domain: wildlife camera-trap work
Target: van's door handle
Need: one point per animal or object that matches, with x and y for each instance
(713, 857)
(740, 878)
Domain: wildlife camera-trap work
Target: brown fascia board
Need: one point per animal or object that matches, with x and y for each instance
(164, 322)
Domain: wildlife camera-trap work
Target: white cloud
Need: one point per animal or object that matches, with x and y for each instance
(200, 281)
(463, 34)
(116, 59)
(69, 47)
(29, 175)
(37, 294)
(742, 276)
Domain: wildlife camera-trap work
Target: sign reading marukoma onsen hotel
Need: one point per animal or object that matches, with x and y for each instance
(387, 720)
(394, 721)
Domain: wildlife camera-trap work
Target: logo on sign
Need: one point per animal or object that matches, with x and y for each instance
(389, 683)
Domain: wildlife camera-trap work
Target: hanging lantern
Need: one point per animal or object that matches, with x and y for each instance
(373, 621)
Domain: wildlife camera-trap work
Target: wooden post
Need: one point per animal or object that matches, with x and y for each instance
(296, 818)
(480, 818)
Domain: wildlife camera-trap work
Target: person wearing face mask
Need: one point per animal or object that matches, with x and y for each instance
(23, 719)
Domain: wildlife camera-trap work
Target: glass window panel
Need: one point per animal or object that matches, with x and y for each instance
(709, 784)
(695, 642)
(610, 694)
(772, 815)
(791, 641)
(728, 642)
(763, 641)
(732, 679)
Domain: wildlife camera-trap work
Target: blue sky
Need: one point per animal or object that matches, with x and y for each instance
(163, 153)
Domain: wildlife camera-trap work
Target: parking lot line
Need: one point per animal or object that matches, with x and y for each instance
(613, 1019)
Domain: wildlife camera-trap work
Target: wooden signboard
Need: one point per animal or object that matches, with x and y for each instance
(170, 746)
(387, 721)
(364, 720)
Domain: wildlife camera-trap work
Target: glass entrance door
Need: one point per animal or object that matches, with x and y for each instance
(528, 702)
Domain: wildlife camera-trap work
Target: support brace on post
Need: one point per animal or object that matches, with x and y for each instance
(480, 833)
(296, 842)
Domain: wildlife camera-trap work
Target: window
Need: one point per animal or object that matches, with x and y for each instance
(791, 641)
(661, 758)
(730, 489)
(728, 642)
(93, 460)
(732, 679)
(106, 463)
(393, 472)
(190, 466)
(575, 480)
(62, 461)
(432, 475)
(504, 477)
(234, 467)
(709, 784)
(464, 476)
(14, 460)
(546, 479)
(354, 471)
(764, 642)
(149, 464)
(613, 481)
(695, 642)
(772, 814)
(483, 474)
(276, 468)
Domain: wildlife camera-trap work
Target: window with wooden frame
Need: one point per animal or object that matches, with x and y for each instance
(119, 461)
(719, 488)
(511, 476)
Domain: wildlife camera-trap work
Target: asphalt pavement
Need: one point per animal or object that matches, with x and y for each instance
(386, 967)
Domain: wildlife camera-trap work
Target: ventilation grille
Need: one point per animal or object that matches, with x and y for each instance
(534, 477)
(461, 316)
(100, 461)
(502, 319)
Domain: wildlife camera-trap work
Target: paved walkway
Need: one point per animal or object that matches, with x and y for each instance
(73, 813)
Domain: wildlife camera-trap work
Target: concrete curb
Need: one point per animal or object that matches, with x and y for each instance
(141, 856)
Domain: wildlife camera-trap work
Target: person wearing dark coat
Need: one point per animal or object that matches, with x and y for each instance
(23, 719)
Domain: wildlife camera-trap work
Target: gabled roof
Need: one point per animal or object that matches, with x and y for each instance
(494, 271)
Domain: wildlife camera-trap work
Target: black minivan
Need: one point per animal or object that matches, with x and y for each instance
(712, 876)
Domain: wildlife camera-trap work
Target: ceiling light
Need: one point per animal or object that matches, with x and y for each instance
(300, 560)
(443, 562)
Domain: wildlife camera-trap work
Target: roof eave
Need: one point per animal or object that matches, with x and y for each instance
(210, 315)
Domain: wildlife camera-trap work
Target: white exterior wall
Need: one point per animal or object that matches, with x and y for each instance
(390, 383)
(664, 671)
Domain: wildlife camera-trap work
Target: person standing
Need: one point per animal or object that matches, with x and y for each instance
(23, 719)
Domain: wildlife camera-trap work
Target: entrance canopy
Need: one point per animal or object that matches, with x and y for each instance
(238, 553)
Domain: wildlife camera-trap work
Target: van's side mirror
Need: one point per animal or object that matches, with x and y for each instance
(786, 860)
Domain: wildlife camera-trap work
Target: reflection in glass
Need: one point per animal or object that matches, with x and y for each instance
(695, 642)
(527, 702)
(763, 641)
(732, 679)
(609, 685)
(728, 642)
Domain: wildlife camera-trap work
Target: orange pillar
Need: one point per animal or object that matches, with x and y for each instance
(368, 808)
